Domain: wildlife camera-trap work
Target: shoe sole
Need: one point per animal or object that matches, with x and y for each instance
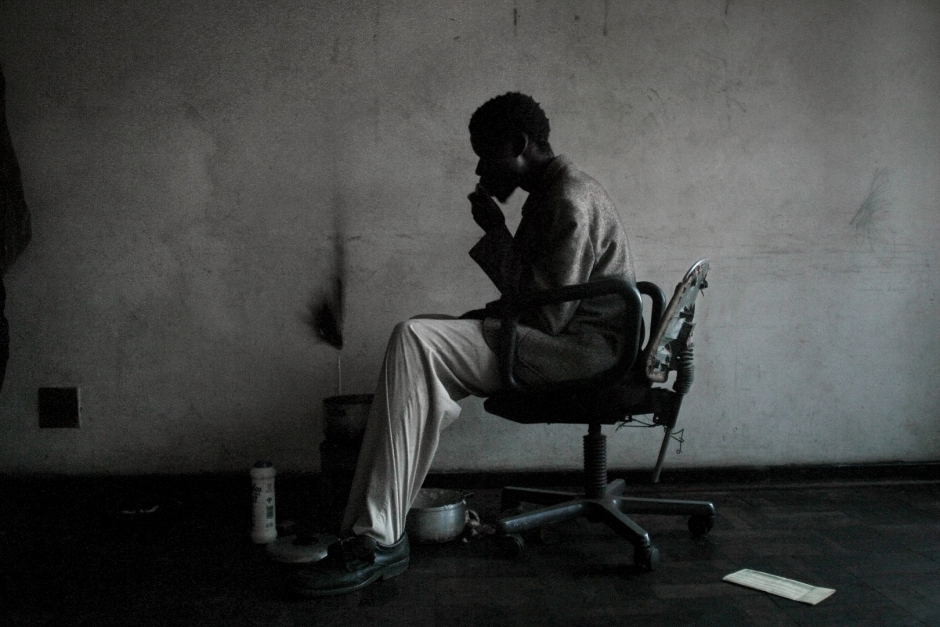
(389, 572)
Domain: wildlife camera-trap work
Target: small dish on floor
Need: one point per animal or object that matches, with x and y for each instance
(301, 549)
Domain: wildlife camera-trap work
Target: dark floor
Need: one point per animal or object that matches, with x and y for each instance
(67, 559)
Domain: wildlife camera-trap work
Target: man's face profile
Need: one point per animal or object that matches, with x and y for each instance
(499, 167)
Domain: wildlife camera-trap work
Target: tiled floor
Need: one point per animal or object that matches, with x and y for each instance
(66, 560)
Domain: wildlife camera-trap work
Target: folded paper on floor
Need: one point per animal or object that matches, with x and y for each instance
(781, 586)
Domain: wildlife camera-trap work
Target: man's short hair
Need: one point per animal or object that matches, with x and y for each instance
(502, 117)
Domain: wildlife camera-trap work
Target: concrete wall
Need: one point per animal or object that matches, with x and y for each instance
(185, 164)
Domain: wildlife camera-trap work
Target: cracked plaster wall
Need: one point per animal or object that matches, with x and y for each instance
(184, 164)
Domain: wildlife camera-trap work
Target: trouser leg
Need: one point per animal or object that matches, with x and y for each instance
(429, 366)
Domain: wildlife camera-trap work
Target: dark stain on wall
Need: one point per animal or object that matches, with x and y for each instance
(875, 205)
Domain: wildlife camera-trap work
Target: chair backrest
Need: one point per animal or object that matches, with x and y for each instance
(672, 335)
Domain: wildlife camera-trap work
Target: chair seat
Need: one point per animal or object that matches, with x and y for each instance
(608, 405)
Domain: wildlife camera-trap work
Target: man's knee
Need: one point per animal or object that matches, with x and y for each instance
(418, 333)
(407, 332)
(403, 328)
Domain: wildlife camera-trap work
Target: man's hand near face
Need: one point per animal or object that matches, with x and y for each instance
(485, 211)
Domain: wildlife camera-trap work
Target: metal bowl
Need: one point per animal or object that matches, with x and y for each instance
(437, 516)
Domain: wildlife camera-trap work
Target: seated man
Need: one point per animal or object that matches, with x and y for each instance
(569, 233)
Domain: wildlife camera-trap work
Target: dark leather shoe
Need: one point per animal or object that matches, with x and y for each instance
(352, 564)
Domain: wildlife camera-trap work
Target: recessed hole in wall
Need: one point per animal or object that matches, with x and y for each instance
(59, 408)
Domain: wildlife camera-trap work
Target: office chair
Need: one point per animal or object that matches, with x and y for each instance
(612, 397)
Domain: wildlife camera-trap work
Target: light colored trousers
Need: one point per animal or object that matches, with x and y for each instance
(429, 366)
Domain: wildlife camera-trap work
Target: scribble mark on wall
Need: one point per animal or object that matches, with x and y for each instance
(875, 204)
(871, 221)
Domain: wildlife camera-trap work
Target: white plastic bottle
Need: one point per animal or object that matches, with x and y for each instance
(263, 523)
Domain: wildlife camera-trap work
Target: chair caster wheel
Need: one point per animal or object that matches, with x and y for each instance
(646, 558)
(700, 525)
(510, 545)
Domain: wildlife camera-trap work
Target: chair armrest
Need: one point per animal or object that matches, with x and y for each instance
(514, 306)
(658, 296)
